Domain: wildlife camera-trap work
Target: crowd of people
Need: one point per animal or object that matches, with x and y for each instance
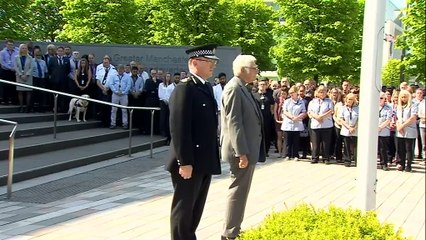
(303, 119)
(300, 119)
(247, 114)
(65, 70)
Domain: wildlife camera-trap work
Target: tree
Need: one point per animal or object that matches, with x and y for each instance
(391, 72)
(101, 21)
(45, 21)
(317, 38)
(190, 22)
(254, 23)
(12, 18)
(413, 38)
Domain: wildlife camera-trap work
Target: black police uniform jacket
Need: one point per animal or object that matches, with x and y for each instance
(193, 127)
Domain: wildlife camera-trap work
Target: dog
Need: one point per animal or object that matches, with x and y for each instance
(79, 105)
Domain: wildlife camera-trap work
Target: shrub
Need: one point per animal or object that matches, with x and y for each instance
(306, 222)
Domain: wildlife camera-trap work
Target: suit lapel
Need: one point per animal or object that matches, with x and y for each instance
(249, 96)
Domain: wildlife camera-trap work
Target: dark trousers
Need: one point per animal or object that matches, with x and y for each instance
(419, 142)
(383, 150)
(405, 152)
(320, 137)
(292, 143)
(39, 97)
(188, 203)
(350, 148)
(9, 90)
(164, 120)
(304, 142)
(305, 145)
(392, 145)
(146, 118)
(338, 145)
(137, 114)
(104, 113)
(268, 129)
(62, 101)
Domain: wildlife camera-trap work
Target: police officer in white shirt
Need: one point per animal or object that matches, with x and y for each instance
(103, 72)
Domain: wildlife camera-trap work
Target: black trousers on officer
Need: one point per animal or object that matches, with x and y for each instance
(188, 204)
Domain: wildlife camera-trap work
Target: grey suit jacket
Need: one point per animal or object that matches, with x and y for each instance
(242, 123)
(28, 68)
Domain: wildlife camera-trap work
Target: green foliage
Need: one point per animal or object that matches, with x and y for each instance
(101, 21)
(190, 22)
(391, 72)
(413, 38)
(318, 38)
(304, 222)
(45, 21)
(254, 23)
(13, 17)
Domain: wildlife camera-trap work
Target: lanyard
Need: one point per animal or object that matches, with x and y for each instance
(10, 55)
(350, 113)
(119, 83)
(319, 106)
(380, 111)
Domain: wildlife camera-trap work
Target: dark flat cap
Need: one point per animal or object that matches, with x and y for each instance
(206, 51)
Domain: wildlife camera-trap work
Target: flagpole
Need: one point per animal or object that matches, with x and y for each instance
(372, 45)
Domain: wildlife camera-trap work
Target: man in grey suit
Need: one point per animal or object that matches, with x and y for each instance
(241, 140)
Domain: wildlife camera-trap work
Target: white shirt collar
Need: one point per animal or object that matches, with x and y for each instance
(202, 80)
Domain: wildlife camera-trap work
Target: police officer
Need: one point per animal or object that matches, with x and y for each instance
(194, 146)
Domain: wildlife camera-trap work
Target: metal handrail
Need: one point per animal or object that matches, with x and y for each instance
(11, 151)
(131, 108)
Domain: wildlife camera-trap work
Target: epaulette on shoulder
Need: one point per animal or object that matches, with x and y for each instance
(185, 80)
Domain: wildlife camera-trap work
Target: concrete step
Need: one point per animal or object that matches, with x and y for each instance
(41, 164)
(32, 117)
(41, 144)
(46, 128)
(4, 109)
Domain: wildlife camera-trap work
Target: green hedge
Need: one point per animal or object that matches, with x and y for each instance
(306, 222)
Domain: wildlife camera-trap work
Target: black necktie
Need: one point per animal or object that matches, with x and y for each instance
(105, 76)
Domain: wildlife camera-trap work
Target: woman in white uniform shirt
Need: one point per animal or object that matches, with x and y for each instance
(406, 131)
(293, 113)
(385, 117)
(349, 122)
(320, 111)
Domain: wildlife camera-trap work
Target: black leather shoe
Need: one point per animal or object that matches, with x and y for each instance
(314, 161)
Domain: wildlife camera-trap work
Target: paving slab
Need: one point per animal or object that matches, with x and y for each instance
(137, 205)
